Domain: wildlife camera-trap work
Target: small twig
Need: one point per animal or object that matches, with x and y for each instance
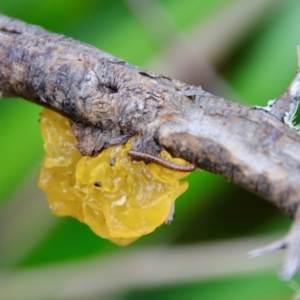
(160, 266)
(285, 107)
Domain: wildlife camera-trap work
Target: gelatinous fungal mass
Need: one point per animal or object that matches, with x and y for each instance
(119, 201)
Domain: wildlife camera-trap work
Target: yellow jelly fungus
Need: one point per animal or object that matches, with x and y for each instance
(118, 198)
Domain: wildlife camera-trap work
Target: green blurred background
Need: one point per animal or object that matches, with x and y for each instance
(241, 50)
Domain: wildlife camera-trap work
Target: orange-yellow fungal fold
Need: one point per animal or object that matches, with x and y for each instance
(118, 198)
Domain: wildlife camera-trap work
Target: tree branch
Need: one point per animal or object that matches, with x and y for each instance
(108, 101)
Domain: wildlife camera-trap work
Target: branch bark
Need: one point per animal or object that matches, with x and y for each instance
(108, 101)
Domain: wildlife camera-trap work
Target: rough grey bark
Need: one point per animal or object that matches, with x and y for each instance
(108, 101)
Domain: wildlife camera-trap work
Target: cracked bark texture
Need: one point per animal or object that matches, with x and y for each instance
(108, 101)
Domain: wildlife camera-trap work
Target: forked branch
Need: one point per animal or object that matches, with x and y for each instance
(108, 101)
